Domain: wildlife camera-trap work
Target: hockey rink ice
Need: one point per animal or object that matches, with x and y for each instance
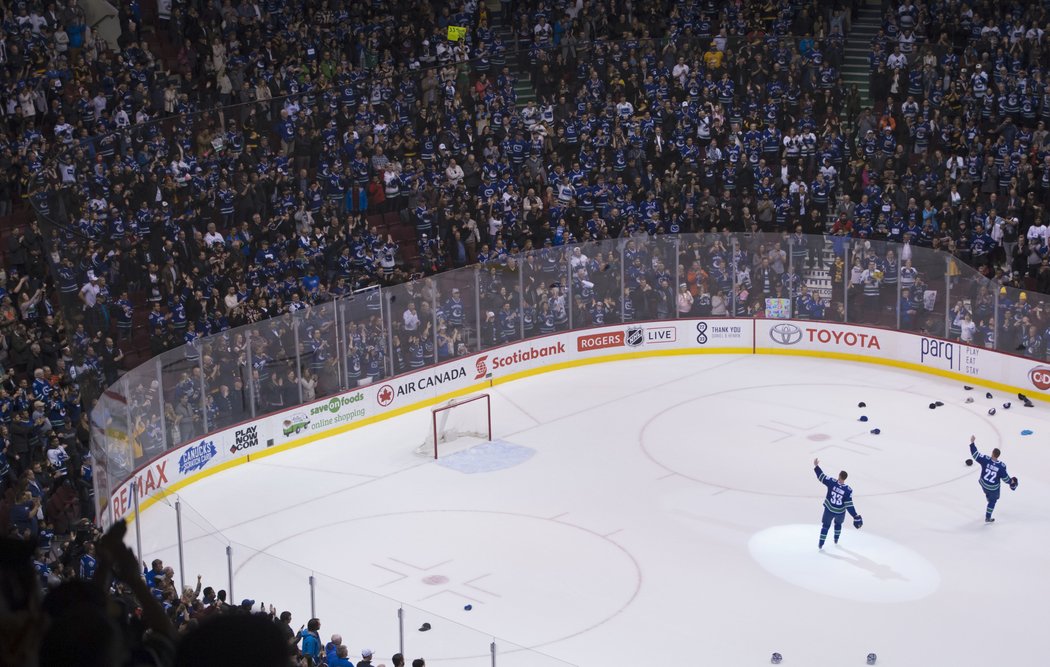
(661, 510)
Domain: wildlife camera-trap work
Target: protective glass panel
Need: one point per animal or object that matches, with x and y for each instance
(110, 431)
(225, 371)
(275, 363)
(363, 338)
(923, 271)
(1021, 312)
(320, 375)
(410, 307)
(971, 299)
(500, 301)
(604, 272)
(649, 269)
(182, 387)
(145, 412)
(872, 300)
(457, 313)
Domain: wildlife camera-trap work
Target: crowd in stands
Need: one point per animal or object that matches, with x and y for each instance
(107, 609)
(240, 160)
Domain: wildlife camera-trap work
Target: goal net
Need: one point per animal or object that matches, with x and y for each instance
(458, 422)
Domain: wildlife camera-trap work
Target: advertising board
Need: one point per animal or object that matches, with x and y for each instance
(474, 372)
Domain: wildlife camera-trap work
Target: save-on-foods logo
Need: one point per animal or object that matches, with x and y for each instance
(785, 333)
(337, 403)
(600, 341)
(518, 356)
(1040, 377)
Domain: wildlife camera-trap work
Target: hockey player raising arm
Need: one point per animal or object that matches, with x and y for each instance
(837, 502)
(992, 472)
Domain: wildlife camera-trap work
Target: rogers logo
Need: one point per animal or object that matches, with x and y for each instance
(481, 367)
(1040, 377)
(599, 341)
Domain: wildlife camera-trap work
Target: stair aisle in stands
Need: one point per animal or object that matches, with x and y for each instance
(856, 69)
(524, 88)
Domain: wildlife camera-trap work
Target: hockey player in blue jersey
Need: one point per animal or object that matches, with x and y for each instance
(992, 472)
(837, 502)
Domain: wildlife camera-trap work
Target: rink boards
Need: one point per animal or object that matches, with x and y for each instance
(388, 398)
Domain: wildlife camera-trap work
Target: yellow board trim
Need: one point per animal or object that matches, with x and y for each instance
(906, 365)
(562, 365)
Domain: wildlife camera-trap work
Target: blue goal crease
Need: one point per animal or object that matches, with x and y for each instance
(487, 457)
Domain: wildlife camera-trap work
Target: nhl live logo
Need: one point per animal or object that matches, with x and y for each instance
(635, 336)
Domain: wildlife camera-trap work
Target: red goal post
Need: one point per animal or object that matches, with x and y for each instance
(463, 417)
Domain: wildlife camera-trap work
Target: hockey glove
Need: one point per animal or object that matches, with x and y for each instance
(1013, 483)
(858, 521)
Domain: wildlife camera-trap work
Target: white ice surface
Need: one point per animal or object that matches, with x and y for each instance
(670, 514)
